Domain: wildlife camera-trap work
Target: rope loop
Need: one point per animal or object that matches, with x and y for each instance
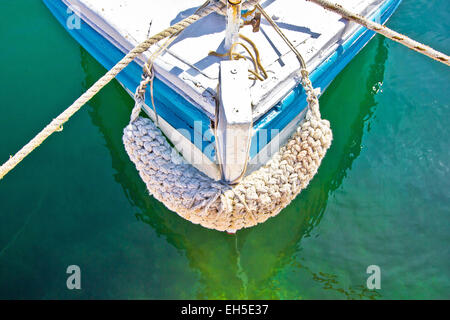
(148, 75)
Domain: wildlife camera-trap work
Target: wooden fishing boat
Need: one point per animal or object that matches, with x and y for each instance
(226, 122)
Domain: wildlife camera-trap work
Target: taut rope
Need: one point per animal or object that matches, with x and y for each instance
(58, 122)
(388, 33)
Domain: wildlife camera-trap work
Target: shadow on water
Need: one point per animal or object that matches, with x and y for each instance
(247, 265)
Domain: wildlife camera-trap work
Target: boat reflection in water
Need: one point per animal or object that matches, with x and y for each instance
(247, 265)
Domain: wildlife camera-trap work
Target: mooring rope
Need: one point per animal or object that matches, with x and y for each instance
(260, 195)
(383, 30)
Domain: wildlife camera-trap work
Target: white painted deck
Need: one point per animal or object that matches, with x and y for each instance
(188, 69)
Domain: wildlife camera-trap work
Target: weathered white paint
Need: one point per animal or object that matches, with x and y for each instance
(234, 125)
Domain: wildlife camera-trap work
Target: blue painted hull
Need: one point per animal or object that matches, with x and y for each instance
(181, 114)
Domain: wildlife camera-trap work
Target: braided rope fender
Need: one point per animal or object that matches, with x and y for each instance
(212, 204)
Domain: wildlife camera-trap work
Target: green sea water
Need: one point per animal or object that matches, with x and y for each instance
(381, 196)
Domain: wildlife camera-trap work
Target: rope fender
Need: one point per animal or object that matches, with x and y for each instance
(259, 196)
